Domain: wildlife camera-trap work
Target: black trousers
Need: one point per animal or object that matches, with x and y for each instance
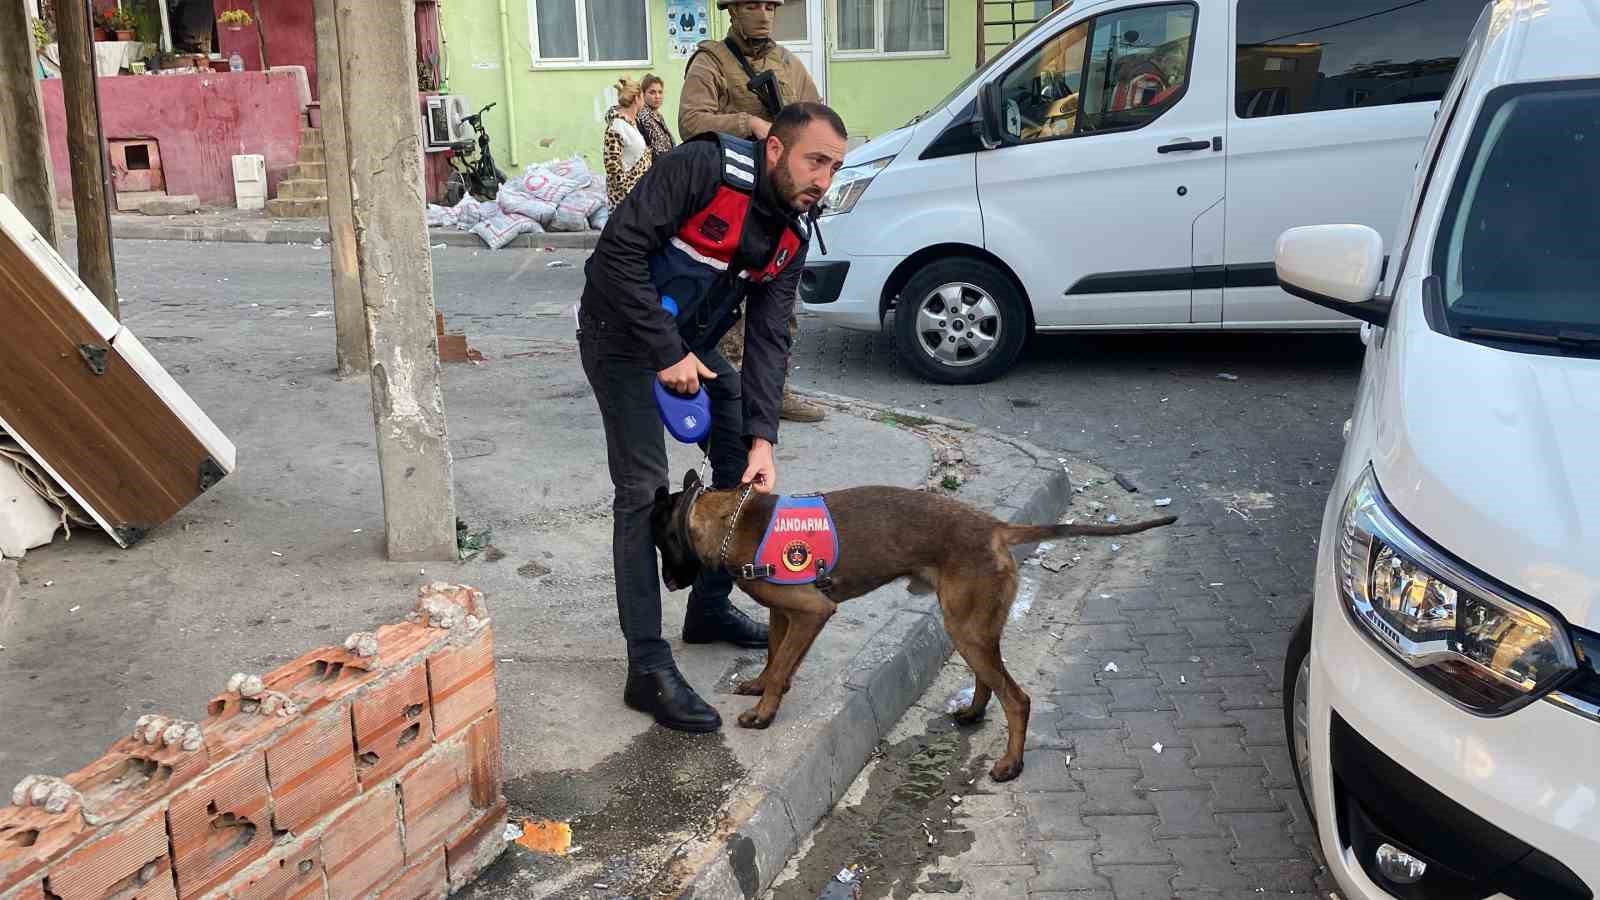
(622, 377)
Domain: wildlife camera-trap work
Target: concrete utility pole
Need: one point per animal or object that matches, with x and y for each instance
(382, 127)
(349, 315)
(91, 182)
(25, 174)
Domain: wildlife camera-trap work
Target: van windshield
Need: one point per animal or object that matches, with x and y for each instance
(1518, 252)
(994, 57)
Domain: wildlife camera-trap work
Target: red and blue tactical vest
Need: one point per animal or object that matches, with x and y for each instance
(696, 267)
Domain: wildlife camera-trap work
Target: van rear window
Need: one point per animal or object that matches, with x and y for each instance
(1303, 56)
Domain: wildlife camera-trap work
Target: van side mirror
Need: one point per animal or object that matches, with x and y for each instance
(989, 115)
(1334, 266)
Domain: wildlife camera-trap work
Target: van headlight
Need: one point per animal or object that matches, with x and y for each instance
(849, 184)
(1465, 637)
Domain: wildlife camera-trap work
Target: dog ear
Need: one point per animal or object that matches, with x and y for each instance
(661, 494)
(691, 479)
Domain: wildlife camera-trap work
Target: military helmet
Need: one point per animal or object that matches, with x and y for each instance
(724, 4)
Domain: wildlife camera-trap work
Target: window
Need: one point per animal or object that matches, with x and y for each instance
(879, 27)
(790, 26)
(1118, 71)
(591, 31)
(1300, 56)
(1519, 246)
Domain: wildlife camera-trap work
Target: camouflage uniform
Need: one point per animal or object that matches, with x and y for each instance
(715, 98)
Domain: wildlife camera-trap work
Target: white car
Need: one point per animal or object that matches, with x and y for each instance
(1127, 165)
(1442, 697)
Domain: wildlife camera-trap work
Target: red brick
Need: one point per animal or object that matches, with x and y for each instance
(220, 824)
(361, 849)
(312, 770)
(461, 684)
(128, 862)
(230, 729)
(427, 880)
(403, 640)
(393, 725)
(452, 348)
(294, 873)
(31, 838)
(436, 797)
(133, 774)
(470, 599)
(478, 845)
(33, 890)
(321, 677)
(483, 755)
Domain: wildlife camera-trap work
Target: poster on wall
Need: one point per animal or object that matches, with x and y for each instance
(688, 23)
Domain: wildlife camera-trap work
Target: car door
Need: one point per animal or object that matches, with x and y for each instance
(1110, 153)
(1331, 105)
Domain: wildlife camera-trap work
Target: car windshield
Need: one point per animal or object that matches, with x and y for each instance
(1519, 250)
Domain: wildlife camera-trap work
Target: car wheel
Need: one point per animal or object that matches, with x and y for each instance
(1297, 708)
(960, 321)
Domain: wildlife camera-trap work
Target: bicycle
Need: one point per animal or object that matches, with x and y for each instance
(473, 172)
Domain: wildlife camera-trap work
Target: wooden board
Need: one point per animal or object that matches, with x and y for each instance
(88, 402)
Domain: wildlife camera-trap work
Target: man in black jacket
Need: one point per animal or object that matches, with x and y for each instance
(716, 221)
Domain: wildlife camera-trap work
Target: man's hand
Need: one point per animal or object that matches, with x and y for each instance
(759, 127)
(762, 471)
(685, 375)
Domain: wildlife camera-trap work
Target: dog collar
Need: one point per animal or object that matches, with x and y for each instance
(733, 524)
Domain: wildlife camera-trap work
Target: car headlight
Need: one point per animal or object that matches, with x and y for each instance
(849, 184)
(1467, 638)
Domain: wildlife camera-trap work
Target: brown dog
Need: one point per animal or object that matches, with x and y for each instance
(884, 533)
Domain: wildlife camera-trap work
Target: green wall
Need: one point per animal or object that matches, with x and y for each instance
(559, 112)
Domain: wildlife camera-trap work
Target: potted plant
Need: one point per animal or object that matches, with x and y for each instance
(235, 20)
(121, 23)
(41, 34)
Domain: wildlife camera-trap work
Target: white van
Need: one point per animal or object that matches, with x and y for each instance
(1127, 165)
(1442, 697)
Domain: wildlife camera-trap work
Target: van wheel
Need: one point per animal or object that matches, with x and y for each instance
(960, 321)
(1297, 709)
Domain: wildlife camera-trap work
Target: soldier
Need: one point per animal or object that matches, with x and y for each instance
(737, 86)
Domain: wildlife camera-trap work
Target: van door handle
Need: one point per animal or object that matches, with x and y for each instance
(1183, 146)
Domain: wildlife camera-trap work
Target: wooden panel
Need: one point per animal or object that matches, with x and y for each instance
(110, 437)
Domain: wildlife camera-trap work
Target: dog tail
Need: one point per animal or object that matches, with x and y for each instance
(1032, 534)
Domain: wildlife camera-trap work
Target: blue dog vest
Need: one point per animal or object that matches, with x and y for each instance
(800, 543)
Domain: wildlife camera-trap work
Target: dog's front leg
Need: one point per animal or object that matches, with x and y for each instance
(777, 627)
(807, 611)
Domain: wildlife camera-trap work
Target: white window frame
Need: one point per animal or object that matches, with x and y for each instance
(877, 51)
(582, 61)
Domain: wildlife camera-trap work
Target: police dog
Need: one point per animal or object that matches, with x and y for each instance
(884, 533)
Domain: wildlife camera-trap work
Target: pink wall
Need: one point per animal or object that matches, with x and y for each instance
(291, 36)
(201, 121)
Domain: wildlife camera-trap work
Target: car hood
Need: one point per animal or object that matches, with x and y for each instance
(1492, 455)
(887, 144)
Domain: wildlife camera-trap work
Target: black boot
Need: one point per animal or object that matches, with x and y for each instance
(726, 623)
(667, 696)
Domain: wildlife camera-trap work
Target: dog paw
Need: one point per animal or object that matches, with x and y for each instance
(1005, 769)
(752, 688)
(752, 718)
(967, 716)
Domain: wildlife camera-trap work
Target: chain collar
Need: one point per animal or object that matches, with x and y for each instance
(733, 523)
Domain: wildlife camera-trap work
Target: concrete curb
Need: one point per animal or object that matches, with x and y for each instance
(758, 837)
(314, 230)
(9, 585)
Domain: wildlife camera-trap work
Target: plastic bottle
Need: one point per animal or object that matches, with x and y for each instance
(235, 62)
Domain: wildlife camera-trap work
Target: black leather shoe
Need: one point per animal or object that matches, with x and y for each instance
(727, 624)
(668, 697)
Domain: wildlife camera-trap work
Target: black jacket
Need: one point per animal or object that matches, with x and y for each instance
(618, 289)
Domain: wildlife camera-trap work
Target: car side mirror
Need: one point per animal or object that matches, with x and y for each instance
(989, 115)
(1334, 266)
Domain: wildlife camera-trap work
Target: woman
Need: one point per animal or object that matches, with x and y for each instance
(626, 155)
(651, 125)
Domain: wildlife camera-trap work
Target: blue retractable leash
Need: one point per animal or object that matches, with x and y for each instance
(687, 418)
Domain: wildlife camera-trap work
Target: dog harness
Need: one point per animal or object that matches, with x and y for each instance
(800, 545)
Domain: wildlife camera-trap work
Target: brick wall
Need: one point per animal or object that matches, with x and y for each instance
(371, 769)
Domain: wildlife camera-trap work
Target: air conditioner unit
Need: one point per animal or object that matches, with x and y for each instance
(444, 117)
